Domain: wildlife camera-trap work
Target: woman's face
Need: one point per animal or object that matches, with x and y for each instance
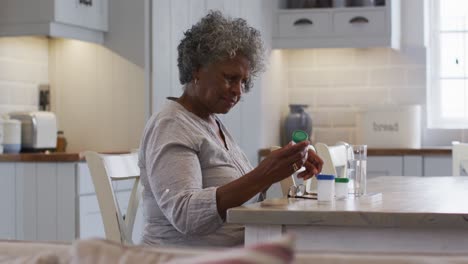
(220, 85)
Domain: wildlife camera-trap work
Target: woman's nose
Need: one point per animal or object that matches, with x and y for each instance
(237, 87)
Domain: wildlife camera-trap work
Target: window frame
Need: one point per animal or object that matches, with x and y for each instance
(433, 80)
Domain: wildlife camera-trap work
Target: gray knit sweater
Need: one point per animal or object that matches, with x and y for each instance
(182, 162)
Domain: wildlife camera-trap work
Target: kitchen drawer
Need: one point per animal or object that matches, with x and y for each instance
(301, 25)
(360, 23)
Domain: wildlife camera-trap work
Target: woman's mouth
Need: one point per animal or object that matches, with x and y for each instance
(230, 101)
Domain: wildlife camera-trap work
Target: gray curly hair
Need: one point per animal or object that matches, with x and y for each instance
(215, 38)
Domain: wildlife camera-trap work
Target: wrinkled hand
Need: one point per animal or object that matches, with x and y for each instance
(313, 165)
(285, 161)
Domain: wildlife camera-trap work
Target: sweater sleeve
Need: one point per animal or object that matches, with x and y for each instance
(175, 177)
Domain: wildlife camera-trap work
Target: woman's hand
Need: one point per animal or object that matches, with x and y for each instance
(275, 167)
(313, 165)
(283, 162)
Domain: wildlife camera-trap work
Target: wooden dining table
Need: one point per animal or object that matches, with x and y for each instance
(399, 214)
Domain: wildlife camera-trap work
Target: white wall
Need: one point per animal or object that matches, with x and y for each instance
(97, 95)
(24, 65)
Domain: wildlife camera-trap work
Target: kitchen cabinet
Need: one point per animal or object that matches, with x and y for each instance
(409, 165)
(54, 201)
(79, 19)
(7, 201)
(437, 166)
(344, 27)
(384, 166)
(37, 201)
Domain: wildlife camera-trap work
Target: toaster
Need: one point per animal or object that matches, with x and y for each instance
(38, 130)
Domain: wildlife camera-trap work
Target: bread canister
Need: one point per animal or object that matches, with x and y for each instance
(11, 136)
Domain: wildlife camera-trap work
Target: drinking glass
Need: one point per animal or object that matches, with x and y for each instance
(357, 169)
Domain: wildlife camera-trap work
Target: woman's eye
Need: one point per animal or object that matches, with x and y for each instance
(229, 79)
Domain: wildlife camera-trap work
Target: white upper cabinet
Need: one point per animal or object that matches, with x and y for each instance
(90, 14)
(337, 27)
(78, 19)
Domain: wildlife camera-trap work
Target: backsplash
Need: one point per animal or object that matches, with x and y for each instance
(337, 83)
(98, 96)
(24, 66)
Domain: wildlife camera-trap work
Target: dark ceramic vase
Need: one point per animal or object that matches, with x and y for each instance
(297, 119)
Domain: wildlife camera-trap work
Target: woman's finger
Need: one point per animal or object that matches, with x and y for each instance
(316, 160)
(290, 149)
(310, 170)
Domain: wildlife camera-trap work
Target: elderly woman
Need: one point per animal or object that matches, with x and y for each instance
(192, 170)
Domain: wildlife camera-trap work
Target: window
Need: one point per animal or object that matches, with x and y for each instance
(447, 92)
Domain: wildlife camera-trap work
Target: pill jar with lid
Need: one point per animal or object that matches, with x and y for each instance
(341, 188)
(299, 136)
(325, 187)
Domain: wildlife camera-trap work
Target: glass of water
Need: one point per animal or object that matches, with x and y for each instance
(357, 169)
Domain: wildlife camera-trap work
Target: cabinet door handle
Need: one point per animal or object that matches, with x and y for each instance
(358, 20)
(303, 22)
(86, 2)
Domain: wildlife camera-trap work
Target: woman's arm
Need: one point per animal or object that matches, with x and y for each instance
(277, 166)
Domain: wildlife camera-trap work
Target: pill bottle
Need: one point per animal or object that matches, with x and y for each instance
(325, 187)
(341, 188)
(299, 136)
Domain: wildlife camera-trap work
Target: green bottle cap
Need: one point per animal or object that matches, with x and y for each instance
(299, 136)
(344, 180)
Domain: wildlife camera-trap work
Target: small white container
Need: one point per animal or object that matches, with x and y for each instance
(325, 187)
(341, 188)
(11, 136)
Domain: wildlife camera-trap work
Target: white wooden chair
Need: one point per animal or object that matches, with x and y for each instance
(334, 161)
(334, 158)
(459, 159)
(105, 169)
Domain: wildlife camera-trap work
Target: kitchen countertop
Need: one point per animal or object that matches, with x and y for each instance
(74, 157)
(413, 214)
(405, 202)
(46, 157)
(390, 151)
(409, 151)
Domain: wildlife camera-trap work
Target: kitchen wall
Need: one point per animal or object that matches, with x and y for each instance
(336, 83)
(98, 96)
(24, 66)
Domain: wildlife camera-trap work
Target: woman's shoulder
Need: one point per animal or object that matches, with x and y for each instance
(173, 120)
(174, 113)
